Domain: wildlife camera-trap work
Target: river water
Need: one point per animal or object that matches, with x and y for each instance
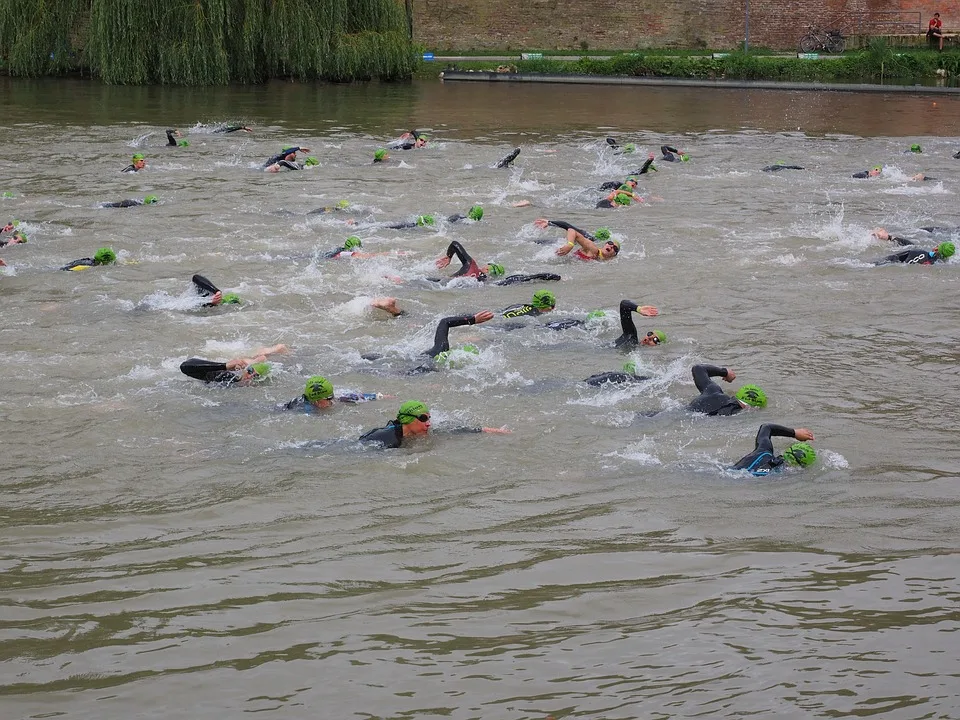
(176, 550)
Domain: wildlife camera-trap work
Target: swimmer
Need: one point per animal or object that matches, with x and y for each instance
(440, 352)
(629, 336)
(588, 250)
(475, 213)
(138, 163)
(18, 238)
(103, 256)
(632, 177)
(914, 149)
(780, 165)
(943, 251)
(232, 129)
(508, 159)
(409, 141)
(470, 268)
(627, 149)
(238, 371)
(318, 395)
(621, 196)
(671, 154)
(543, 301)
(172, 136)
(413, 419)
(148, 200)
(419, 221)
(713, 401)
(762, 461)
(207, 289)
(380, 155)
(881, 234)
(342, 206)
(286, 158)
(629, 375)
(351, 248)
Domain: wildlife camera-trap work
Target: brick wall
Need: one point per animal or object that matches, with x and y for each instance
(513, 25)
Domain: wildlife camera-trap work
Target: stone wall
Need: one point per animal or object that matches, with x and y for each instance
(513, 25)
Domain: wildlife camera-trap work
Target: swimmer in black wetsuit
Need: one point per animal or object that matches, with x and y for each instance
(943, 251)
(881, 234)
(647, 167)
(420, 221)
(18, 238)
(543, 301)
(629, 337)
(621, 196)
(505, 161)
(232, 129)
(148, 200)
(713, 401)
(103, 256)
(318, 395)
(238, 371)
(413, 419)
(778, 166)
(138, 163)
(475, 213)
(627, 149)
(207, 289)
(172, 141)
(409, 141)
(671, 154)
(629, 375)
(286, 158)
(762, 461)
(440, 351)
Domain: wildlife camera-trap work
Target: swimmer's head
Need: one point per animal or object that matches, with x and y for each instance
(630, 367)
(609, 250)
(945, 250)
(184, 143)
(622, 199)
(596, 314)
(7, 194)
(684, 157)
(139, 161)
(150, 199)
(495, 270)
(801, 454)
(257, 371)
(318, 388)
(654, 337)
(629, 148)
(602, 234)
(413, 411)
(230, 299)
(310, 161)
(352, 242)
(915, 148)
(632, 180)
(475, 213)
(425, 220)
(104, 256)
(445, 358)
(875, 170)
(137, 157)
(380, 155)
(753, 396)
(544, 300)
(343, 204)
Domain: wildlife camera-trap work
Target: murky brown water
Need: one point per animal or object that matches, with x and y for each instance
(181, 551)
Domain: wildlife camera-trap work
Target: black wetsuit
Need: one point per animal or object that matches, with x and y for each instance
(779, 167)
(441, 339)
(209, 371)
(520, 310)
(277, 158)
(614, 377)
(122, 204)
(628, 337)
(130, 169)
(567, 226)
(956, 155)
(171, 139)
(469, 267)
(77, 263)
(932, 229)
(862, 174)
(670, 154)
(712, 400)
(911, 257)
(762, 461)
(505, 162)
(205, 288)
(400, 225)
(301, 403)
(537, 277)
(229, 129)
(405, 143)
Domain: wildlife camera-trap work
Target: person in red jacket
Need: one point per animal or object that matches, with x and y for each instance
(935, 30)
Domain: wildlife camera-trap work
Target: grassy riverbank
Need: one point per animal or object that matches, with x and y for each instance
(876, 63)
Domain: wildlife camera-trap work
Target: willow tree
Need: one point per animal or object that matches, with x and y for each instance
(207, 42)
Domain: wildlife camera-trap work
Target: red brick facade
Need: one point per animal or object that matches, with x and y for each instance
(459, 25)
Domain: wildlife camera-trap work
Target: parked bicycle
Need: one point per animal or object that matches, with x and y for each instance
(832, 41)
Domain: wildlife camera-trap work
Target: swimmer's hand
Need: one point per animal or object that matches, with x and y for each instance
(730, 376)
(564, 249)
(482, 317)
(802, 434)
(497, 431)
(648, 311)
(541, 223)
(443, 262)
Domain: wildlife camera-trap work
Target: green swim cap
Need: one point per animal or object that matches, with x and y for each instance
(594, 314)
(602, 234)
(495, 270)
(801, 454)
(752, 395)
(342, 204)
(475, 213)
(628, 148)
(946, 250)
(104, 256)
(662, 337)
(410, 410)
(684, 157)
(630, 367)
(138, 156)
(8, 194)
(424, 220)
(184, 143)
(622, 199)
(259, 370)
(230, 299)
(915, 148)
(544, 300)
(318, 388)
(22, 235)
(352, 242)
(423, 137)
(379, 155)
(878, 168)
(150, 199)
(311, 161)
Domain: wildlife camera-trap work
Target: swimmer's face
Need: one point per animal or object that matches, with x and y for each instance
(139, 164)
(874, 172)
(322, 404)
(650, 340)
(420, 142)
(418, 426)
(609, 251)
